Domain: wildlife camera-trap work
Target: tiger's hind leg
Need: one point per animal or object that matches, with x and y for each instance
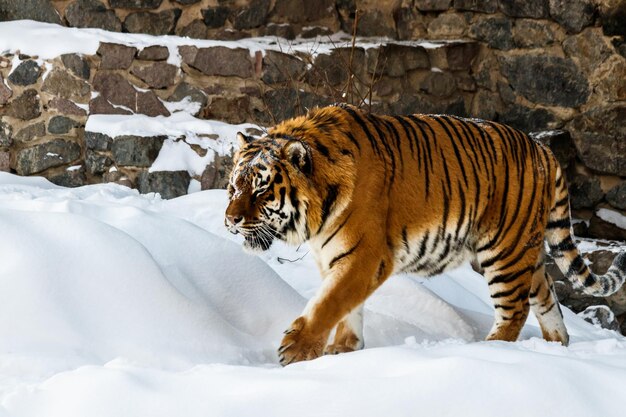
(545, 306)
(349, 334)
(510, 280)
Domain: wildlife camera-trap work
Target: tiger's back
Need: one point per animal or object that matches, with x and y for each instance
(378, 195)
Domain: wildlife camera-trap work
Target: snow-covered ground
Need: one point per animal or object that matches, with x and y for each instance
(119, 304)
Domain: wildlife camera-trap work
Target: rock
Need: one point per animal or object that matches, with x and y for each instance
(97, 164)
(484, 6)
(195, 30)
(580, 229)
(601, 260)
(71, 177)
(62, 84)
(386, 86)
(303, 11)
(527, 119)
(149, 104)
(26, 73)
(589, 48)
(486, 105)
(395, 60)
(573, 15)
(334, 69)
(5, 92)
(116, 56)
(525, 8)
(59, 125)
(315, 31)
(25, 107)
(617, 196)
(30, 132)
(619, 43)
(410, 103)
(547, 80)
(169, 184)
(39, 10)
(191, 93)
(560, 143)
(161, 23)
(186, 2)
(215, 17)
(46, 155)
(284, 31)
(447, 25)
(600, 316)
(220, 60)
(5, 161)
(251, 16)
(461, 55)
(154, 53)
(157, 75)
(92, 14)
(234, 110)
(137, 151)
(585, 192)
(612, 79)
(487, 73)
(375, 22)
(279, 67)
(228, 34)
(600, 228)
(6, 134)
(215, 175)
(117, 177)
(347, 11)
(135, 4)
(440, 84)
(116, 89)
(410, 24)
(100, 105)
(433, 5)
(455, 106)
(612, 18)
(285, 103)
(188, 53)
(98, 141)
(530, 33)
(495, 31)
(66, 106)
(77, 65)
(599, 138)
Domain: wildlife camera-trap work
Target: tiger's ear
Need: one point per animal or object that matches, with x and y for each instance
(243, 140)
(298, 154)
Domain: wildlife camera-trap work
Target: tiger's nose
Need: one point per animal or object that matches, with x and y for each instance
(234, 220)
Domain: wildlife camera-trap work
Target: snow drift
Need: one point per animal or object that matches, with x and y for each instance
(119, 304)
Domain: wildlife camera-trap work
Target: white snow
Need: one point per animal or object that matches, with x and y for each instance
(182, 131)
(62, 40)
(612, 217)
(114, 303)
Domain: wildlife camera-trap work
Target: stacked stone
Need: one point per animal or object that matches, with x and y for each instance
(539, 64)
(43, 113)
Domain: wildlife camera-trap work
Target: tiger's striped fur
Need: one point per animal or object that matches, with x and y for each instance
(377, 195)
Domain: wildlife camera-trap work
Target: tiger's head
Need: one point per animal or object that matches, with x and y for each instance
(267, 191)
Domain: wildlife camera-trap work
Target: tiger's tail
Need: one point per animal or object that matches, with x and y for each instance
(566, 255)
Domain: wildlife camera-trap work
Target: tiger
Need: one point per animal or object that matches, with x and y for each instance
(377, 195)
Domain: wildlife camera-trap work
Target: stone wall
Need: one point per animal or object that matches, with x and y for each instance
(537, 65)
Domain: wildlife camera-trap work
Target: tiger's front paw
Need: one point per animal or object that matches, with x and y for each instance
(300, 344)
